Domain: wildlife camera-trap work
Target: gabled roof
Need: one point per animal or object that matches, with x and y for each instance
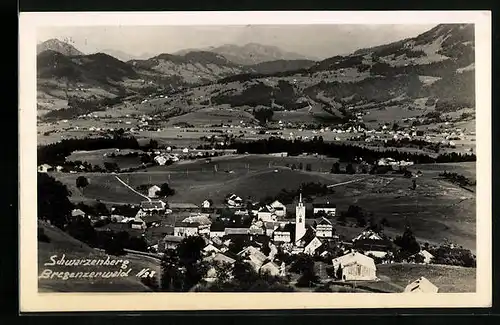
(266, 209)
(202, 220)
(155, 187)
(219, 257)
(324, 221)
(368, 234)
(187, 224)
(276, 204)
(421, 285)
(172, 239)
(354, 257)
(159, 205)
(77, 212)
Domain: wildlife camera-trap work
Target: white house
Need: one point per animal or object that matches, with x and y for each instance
(328, 208)
(356, 266)
(160, 160)
(283, 234)
(426, 255)
(234, 200)
(186, 229)
(149, 206)
(153, 191)
(311, 247)
(324, 228)
(44, 168)
(279, 208)
(271, 268)
(421, 285)
(138, 223)
(266, 213)
(206, 204)
(77, 213)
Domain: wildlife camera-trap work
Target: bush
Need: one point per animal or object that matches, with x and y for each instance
(42, 236)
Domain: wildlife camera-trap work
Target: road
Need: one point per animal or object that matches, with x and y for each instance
(348, 182)
(130, 188)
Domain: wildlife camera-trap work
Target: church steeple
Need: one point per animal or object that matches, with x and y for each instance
(300, 219)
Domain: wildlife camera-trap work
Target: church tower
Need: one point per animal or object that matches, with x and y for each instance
(300, 220)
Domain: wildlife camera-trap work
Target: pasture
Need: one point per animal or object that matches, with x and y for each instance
(436, 210)
(449, 279)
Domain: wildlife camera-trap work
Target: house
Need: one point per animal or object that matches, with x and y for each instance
(427, 256)
(324, 228)
(254, 257)
(421, 285)
(271, 268)
(279, 208)
(370, 241)
(171, 241)
(311, 246)
(138, 223)
(218, 258)
(207, 204)
(255, 230)
(236, 231)
(77, 213)
(270, 227)
(153, 191)
(356, 267)
(211, 248)
(266, 213)
(44, 168)
(328, 208)
(154, 205)
(309, 243)
(234, 201)
(185, 229)
(161, 160)
(284, 233)
(117, 218)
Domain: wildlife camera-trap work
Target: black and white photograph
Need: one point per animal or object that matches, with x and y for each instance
(318, 158)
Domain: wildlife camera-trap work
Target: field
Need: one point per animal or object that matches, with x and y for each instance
(446, 277)
(436, 209)
(62, 243)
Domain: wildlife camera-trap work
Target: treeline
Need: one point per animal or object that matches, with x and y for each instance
(344, 152)
(458, 179)
(308, 190)
(56, 153)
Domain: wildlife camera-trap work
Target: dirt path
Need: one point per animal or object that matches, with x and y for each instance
(348, 182)
(130, 188)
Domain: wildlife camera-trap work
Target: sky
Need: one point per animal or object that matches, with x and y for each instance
(319, 41)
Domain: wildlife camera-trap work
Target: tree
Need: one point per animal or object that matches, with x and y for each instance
(335, 168)
(263, 115)
(111, 167)
(350, 169)
(53, 202)
(165, 190)
(153, 144)
(82, 182)
(293, 167)
(172, 275)
(308, 167)
(301, 166)
(407, 242)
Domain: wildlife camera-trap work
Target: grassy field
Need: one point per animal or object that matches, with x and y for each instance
(436, 209)
(61, 243)
(96, 157)
(447, 278)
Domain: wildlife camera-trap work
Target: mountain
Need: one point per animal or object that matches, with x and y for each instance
(433, 71)
(195, 67)
(252, 53)
(272, 67)
(58, 46)
(120, 55)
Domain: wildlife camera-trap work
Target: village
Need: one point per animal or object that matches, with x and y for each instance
(262, 233)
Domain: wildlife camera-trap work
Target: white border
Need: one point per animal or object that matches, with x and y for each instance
(31, 300)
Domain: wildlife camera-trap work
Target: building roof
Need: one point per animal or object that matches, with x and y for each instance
(155, 187)
(183, 206)
(266, 209)
(354, 258)
(77, 212)
(148, 205)
(270, 265)
(368, 234)
(277, 204)
(217, 226)
(172, 239)
(187, 224)
(202, 220)
(421, 285)
(323, 221)
(237, 231)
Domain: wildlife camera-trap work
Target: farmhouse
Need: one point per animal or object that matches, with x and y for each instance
(149, 206)
(138, 223)
(355, 266)
(284, 233)
(324, 228)
(207, 204)
(272, 269)
(184, 207)
(44, 168)
(328, 208)
(161, 160)
(186, 229)
(372, 243)
(279, 208)
(266, 213)
(421, 285)
(426, 255)
(77, 213)
(234, 201)
(153, 191)
(253, 256)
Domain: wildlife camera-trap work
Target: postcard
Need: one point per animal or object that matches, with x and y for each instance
(254, 160)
